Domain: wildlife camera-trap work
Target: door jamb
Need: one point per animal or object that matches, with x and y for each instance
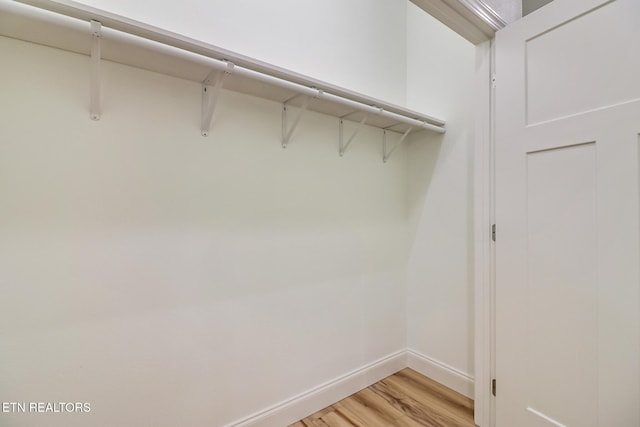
(484, 253)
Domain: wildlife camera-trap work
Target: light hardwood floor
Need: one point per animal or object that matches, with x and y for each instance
(405, 399)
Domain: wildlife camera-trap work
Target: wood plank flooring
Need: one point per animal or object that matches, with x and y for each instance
(405, 399)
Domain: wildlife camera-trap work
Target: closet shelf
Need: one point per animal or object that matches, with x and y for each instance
(78, 28)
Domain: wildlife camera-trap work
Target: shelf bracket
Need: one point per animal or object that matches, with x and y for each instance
(385, 154)
(210, 96)
(95, 109)
(342, 146)
(286, 131)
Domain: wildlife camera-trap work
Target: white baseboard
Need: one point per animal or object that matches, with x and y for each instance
(317, 398)
(441, 372)
(308, 402)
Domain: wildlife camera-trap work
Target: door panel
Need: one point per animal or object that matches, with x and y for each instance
(562, 331)
(567, 194)
(554, 60)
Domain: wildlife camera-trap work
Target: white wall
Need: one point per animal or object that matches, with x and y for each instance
(440, 201)
(171, 279)
(357, 44)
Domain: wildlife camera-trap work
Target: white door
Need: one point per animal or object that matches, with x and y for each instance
(567, 316)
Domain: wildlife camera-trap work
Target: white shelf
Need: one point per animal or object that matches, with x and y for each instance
(66, 25)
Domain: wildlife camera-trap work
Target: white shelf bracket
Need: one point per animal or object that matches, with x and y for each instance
(95, 108)
(210, 96)
(385, 154)
(287, 132)
(342, 146)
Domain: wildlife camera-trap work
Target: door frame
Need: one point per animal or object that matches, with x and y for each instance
(484, 251)
(477, 31)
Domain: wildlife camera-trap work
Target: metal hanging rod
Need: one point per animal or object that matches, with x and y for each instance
(75, 17)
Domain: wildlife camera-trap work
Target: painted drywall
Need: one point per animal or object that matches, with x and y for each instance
(440, 198)
(170, 279)
(357, 44)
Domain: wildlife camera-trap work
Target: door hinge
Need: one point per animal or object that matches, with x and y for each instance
(493, 386)
(493, 232)
(494, 79)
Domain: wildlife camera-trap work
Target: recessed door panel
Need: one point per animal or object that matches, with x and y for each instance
(574, 67)
(562, 284)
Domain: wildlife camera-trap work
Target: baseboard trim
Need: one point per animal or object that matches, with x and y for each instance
(317, 398)
(441, 372)
(306, 403)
